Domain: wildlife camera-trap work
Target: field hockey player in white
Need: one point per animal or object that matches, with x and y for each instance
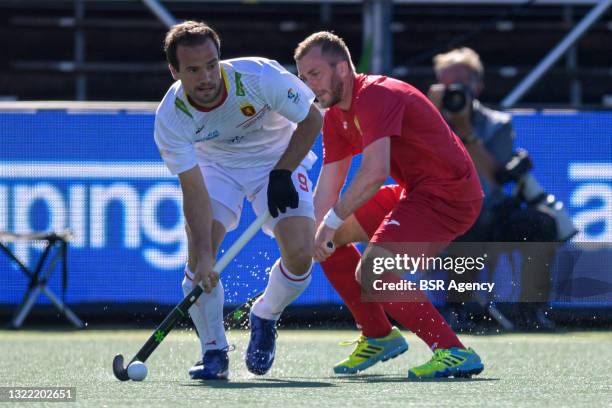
(231, 130)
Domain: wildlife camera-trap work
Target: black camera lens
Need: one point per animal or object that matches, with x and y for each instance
(455, 97)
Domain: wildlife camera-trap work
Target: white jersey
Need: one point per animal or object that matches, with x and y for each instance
(251, 127)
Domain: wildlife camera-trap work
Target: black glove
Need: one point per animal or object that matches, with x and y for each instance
(281, 192)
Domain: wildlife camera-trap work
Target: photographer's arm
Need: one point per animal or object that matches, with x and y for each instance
(486, 164)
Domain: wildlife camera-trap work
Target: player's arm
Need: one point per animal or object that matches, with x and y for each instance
(178, 152)
(485, 162)
(281, 191)
(302, 140)
(372, 174)
(489, 158)
(198, 215)
(291, 98)
(330, 182)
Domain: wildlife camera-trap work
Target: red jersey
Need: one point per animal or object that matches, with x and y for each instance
(426, 156)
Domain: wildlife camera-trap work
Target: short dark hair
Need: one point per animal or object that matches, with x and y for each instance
(331, 45)
(189, 34)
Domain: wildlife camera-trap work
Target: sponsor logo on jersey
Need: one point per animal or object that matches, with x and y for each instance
(247, 109)
(254, 119)
(211, 135)
(392, 222)
(237, 139)
(239, 86)
(293, 95)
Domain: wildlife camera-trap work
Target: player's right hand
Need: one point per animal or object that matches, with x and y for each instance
(205, 275)
(324, 246)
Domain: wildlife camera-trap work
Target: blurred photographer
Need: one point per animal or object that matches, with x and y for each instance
(488, 136)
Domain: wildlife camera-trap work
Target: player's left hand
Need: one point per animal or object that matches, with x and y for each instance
(324, 246)
(281, 192)
(205, 275)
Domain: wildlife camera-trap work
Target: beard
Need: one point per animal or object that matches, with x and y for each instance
(335, 92)
(206, 100)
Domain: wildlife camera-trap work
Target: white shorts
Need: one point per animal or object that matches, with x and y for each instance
(228, 187)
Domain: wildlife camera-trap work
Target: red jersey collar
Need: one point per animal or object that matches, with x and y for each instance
(204, 109)
(358, 82)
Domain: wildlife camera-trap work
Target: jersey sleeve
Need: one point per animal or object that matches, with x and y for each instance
(380, 114)
(285, 93)
(177, 151)
(335, 147)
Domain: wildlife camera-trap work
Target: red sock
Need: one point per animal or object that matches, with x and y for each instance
(340, 271)
(422, 318)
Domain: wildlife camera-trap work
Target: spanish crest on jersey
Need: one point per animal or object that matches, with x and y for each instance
(247, 109)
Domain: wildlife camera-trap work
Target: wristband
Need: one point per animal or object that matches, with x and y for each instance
(332, 220)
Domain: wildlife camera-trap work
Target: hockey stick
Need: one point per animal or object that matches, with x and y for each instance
(237, 317)
(180, 310)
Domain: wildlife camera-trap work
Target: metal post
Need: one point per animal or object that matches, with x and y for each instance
(161, 12)
(365, 63)
(325, 13)
(554, 55)
(79, 50)
(571, 63)
(377, 20)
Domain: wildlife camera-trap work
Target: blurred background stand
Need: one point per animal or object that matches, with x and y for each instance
(56, 249)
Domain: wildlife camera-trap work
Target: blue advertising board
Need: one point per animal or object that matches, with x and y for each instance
(99, 174)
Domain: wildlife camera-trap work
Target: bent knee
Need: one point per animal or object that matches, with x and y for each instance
(300, 260)
(299, 249)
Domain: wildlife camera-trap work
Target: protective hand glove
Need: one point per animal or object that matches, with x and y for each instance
(281, 192)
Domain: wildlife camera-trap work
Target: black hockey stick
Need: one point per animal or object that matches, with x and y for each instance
(238, 316)
(180, 310)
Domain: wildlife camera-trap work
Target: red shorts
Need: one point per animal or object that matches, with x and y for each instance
(392, 215)
(372, 213)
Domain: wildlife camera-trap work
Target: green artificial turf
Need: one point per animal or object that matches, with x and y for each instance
(538, 370)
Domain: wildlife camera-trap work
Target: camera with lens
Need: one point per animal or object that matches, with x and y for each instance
(527, 188)
(455, 97)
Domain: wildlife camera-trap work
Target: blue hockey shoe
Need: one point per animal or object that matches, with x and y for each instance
(214, 366)
(262, 346)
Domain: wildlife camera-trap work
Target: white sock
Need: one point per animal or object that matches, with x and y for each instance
(208, 315)
(283, 288)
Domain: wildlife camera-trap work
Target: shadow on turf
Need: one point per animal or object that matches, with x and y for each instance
(369, 378)
(381, 378)
(260, 383)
